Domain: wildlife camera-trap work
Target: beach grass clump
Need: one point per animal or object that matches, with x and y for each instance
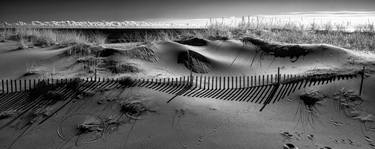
(362, 38)
(142, 52)
(49, 37)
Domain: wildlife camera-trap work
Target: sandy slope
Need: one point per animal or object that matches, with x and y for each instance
(202, 123)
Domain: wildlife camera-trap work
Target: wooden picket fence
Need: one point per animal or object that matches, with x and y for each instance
(260, 89)
(26, 95)
(234, 88)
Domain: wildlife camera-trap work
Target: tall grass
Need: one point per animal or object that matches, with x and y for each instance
(49, 37)
(363, 38)
(144, 35)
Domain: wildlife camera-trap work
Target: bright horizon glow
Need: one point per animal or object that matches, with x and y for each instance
(348, 19)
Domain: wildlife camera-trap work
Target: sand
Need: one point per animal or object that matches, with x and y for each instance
(198, 122)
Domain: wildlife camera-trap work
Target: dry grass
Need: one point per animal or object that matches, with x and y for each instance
(362, 39)
(143, 53)
(161, 35)
(49, 37)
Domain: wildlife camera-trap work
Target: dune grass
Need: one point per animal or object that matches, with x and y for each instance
(49, 37)
(362, 39)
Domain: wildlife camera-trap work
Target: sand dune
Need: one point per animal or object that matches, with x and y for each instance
(247, 56)
(189, 122)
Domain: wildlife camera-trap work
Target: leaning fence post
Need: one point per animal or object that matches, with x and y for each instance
(362, 77)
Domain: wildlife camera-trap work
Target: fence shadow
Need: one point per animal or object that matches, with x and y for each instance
(27, 95)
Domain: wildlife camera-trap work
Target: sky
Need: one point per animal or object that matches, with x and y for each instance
(138, 10)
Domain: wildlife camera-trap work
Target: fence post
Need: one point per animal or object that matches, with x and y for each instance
(278, 75)
(7, 85)
(215, 83)
(255, 80)
(219, 82)
(24, 85)
(362, 77)
(247, 81)
(204, 82)
(228, 81)
(196, 82)
(208, 81)
(224, 80)
(236, 83)
(18, 88)
(263, 79)
(243, 81)
(2, 86)
(200, 82)
(182, 81)
(95, 73)
(232, 82)
(11, 86)
(260, 79)
(15, 85)
(251, 81)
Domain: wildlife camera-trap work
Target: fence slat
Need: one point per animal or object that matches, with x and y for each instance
(200, 82)
(2, 86)
(25, 85)
(11, 86)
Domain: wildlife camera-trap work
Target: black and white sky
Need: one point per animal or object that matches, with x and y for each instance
(118, 10)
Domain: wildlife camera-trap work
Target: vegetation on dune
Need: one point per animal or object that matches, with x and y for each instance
(28, 37)
(362, 39)
(194, 61)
